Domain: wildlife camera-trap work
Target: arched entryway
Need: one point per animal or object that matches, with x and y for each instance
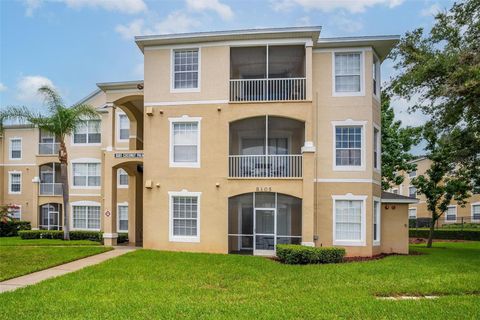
(50, 216)
(258, 221)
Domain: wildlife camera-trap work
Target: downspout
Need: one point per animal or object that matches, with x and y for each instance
(315, 168)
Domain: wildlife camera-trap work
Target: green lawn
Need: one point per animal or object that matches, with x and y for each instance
(19, 257)
(153, 284)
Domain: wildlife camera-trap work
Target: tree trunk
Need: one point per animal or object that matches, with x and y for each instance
(63, 157)
(430, 234)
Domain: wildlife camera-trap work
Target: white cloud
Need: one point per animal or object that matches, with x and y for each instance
(354, 6)
(31, 6)
(431, 11)
(27, 88)
(401, 107)
(304, 21)
(123, 6)
(3, 87)
(175, 22)
(221, 9)
(346, 24)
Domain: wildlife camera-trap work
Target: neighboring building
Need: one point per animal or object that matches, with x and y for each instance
(470, 213)
(235, 141)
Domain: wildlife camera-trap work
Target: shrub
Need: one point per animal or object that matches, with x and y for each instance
(447, 234)
(58, 234)
(297, 254)
(12, 227)
(420, 222)
(122, 238)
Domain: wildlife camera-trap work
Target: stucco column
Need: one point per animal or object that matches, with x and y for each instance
(34, 205)
(110, 207)
(132, 206)
(308, 227)
(308, 71)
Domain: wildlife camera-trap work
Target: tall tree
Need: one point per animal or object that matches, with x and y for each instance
(61, 121)
(441, 70)
(444, 181)
(396, 145)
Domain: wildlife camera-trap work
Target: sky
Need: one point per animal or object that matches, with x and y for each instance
(74, 44)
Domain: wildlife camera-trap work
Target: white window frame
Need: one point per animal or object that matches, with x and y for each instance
(348, 123)
(85, 161)
(350, 197)
(172, 70)
(85, 204)
(456, 214)
(376, 64)
(409, 194)
(415, 209)
(87, 144)
(377, 168)
(10, 182)
(376, 205)
(120, 114)
(121, 186)
(122, 204)
(195, 164)
(10, 149)
(19, 212)
(183, 193)
(471, 211)
(361, 51)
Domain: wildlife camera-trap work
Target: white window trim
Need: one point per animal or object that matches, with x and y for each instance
(379, 145)
(412, 186)
(20, 211)
(195, 164)
(10, 182)
(378, 201)
(353, 243)
(121, 186)
(347, 123)
(378, 73)
(85, 160)
(85, 203)
(471, 210)
(362, 73)
(122, 204)
(10, 148)
(118, 114)
(183, 193)
(172, 68)
(72, 139)
(409, 212)
(456, 214)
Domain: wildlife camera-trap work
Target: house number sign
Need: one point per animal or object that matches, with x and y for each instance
(129, 155)
(264, 189)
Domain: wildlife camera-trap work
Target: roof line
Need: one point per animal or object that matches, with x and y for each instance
(92, 94)
(359, 38)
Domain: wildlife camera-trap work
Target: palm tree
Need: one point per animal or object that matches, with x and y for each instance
(61, 121)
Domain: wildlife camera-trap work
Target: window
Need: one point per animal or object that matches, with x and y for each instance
(395, 191)
(348, 67)
(185, 216)
(15, 183)
(87, 133)
(122, 178)
(412, 213)
(86, 174)
(476, 211)
(376, 76)
(15, 148)
(412, 174)
(349, 220)
(412, 192)
(185, 142)
(376, 222)
(376, 148)
(451, 214)
(86, 217)
(122, 214)
(185, 69)
(15, 212)
(348, 146)
(123, 127)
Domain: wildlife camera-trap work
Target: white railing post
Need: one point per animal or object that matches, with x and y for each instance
(281, 89)
(265, 166)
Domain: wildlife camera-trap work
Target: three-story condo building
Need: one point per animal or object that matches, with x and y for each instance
(234, 142)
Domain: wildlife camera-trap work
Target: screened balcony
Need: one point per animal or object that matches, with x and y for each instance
(267, 73)
(50, 216)
(266, 147)
(50, 180)
(47, 145)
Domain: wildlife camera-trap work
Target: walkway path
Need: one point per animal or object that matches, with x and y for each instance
(36, 277)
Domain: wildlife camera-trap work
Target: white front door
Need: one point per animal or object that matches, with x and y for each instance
(264, 232)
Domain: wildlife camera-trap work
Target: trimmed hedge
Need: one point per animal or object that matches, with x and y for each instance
(11, 228)
(297, 254)
(447, 234)
(74, 235)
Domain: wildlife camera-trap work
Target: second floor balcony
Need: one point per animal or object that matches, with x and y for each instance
(47, 144)
(50, 180)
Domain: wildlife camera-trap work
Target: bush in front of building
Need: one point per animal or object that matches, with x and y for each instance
(420, 222)
(297, 254)
(74, 235)
(447, 234)
(12, 227)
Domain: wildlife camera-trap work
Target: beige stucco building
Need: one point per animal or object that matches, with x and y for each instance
(234, 142)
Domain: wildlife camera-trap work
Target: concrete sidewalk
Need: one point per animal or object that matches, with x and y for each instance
(36, 277)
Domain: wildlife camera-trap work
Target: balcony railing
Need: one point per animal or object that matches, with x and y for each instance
(48, 148)
(51, 189)
(266, 166)
(282, 89)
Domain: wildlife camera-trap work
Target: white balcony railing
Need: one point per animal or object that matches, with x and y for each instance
(266, 166)
(281, 89)
(48, 148)
(51, 189)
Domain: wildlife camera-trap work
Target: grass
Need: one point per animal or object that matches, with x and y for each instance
(19, 257)
(153, 285)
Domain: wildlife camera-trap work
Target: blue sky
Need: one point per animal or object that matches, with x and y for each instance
(73, 44)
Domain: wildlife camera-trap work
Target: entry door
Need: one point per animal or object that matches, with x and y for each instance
(264, 231)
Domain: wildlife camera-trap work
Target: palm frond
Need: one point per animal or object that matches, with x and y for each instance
(21, 114)
(52, 98)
